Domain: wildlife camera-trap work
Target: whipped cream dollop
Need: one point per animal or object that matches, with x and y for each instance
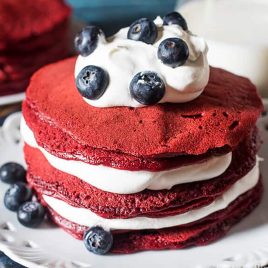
(123, 58)
(127, 182)
(86, 217)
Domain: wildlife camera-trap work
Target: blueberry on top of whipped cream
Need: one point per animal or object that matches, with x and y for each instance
(85, 42)
(147, 88)
(164, 47)
(175, 18)
(173, 52)
(143, 30)
(92, 82)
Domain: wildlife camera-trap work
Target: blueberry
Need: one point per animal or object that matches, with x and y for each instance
(86, 41)
(143, 30)
(173, 52)
(147, 88)
(12, 172)
(31, 214)
(6, 262)
(92, 82)
(97, 240)
(17, 194)
(175, 18)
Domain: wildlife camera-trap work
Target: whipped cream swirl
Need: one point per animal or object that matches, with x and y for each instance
(122, 58)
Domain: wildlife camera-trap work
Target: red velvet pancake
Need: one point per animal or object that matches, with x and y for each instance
(23, 65)
(37, 42)
(181, 198)
(157, 137)
(41, 37)
(220, 117)
(198, 233)
(96, 156)
(16, 70)
(35, 18)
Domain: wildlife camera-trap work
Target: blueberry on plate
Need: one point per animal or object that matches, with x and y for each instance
(143, 30)
(31, 214)
(147, 88)
(97, 240)
(86, 41)
(16, 195)
(12, 172)
(92, 82)
(175, 18)
(173, 52)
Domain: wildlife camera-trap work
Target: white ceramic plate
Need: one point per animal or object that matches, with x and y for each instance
(13, 98)
(246, 245)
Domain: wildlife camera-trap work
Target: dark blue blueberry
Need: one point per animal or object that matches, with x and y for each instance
(6, 262)
(92, 82)
(86, 41)
(16, 195)
(147, 88)
(12, 172)
(175, 18)
(173, 52)
(31, 214)
(97, 240)
(143, 30)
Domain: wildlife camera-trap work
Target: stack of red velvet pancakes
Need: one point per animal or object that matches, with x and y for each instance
(33, 33)
(155, 176)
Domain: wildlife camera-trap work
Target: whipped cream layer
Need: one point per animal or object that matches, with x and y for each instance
(127, 182)
(87, 218)
(122, 58)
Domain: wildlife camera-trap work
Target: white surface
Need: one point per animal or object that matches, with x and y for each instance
(85, 217)
(122, 58)
(13, 98)
(118, 181)
(236, 32)
(245, 246)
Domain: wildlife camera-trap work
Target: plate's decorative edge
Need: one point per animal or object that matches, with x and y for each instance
(15, 257)
(19, 250)
(30, 257)
(29, 254)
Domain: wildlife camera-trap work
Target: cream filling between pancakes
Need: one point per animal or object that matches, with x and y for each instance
(127, 182)
(86, 217)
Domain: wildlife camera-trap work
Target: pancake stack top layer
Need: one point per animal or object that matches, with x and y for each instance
(40, 37)
(169, 174)
(217, 118)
